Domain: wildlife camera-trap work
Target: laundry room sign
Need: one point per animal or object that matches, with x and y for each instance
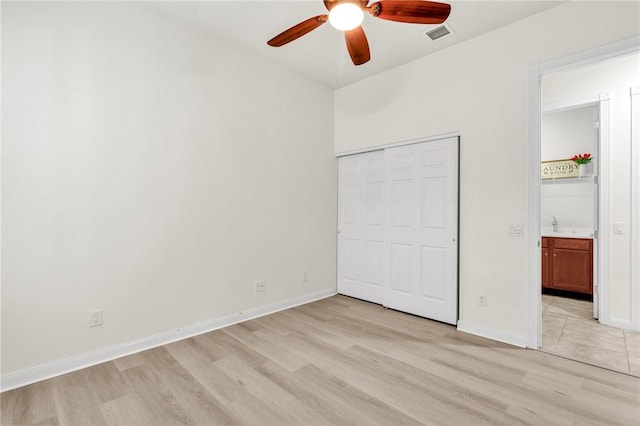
(559, 169)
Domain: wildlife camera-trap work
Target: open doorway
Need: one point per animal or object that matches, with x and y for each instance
(588, 310)
(570, 135)
(569, 201)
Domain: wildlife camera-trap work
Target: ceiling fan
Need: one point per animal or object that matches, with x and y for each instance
(347, 15)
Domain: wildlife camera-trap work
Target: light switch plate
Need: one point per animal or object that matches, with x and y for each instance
(618, 228)
(516, 230)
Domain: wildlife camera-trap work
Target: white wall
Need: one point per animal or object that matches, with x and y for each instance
(572, 204)
(155, 173)
(479, 88)
(616, 77)
(568, 132)
(564, 134)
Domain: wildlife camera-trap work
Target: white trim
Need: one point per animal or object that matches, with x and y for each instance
(620, 48)
(1, 186)
(565, 105)
(590, 56)
(534, 295)
(635, 207)
(67, 365)
(624, 324)
(604, 238)
(482, 331)
(400, 143)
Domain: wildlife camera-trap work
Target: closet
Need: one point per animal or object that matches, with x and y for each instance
(398, 228)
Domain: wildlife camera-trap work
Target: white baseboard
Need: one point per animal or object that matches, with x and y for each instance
(483, 331)
(623, 324)
(67, 365)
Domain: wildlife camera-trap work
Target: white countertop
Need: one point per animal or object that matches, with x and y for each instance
(568, 233)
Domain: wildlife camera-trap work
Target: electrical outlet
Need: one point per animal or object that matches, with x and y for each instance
(482, 299)
(260, 285)
(95, 318)
(305, 277)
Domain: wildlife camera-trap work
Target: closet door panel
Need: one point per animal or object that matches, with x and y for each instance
(361, 225)
(422, 183)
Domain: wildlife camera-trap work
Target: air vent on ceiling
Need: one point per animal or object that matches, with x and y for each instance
(439, 32)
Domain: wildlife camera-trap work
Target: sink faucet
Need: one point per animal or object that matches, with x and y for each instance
(555, 224)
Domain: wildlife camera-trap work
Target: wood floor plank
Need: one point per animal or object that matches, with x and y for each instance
(285, 323)
(129, 361)
(14, 406)
(447, 391)
(53, 421)
(42, 405)
(337, 361)
(558, 367)
(251, 411)
(218, 384)
(128, 409)
(291, 409)
(353, 405)
(219, 344)
(202, 407)
(599, 406)
(368, 334)
(308, 325)
(76, 401)
(158, 401)
(272, 347)
(517, 400)
(539, 400)
(31, 404)
(105, 378)
(383, 386)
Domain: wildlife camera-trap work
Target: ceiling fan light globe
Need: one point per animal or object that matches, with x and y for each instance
(346, 16)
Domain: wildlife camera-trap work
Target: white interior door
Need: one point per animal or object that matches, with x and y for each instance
(360, 225)
(421, 229)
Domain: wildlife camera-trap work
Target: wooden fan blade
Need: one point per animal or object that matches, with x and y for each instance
(297, 31)
(411, 11)
(357, 45)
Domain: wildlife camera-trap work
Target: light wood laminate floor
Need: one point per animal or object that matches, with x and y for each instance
(338, 361)
(569, 330)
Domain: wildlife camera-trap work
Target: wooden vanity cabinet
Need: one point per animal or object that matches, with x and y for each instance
(567, 264)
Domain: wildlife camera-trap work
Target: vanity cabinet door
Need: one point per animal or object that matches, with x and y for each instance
(567, 264)
(573, 265)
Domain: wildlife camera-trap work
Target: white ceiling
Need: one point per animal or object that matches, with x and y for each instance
(322, 54)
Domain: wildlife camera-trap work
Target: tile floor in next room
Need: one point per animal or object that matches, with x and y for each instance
(569, 330)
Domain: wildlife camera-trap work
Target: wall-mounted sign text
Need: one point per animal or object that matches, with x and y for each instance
(559, 169)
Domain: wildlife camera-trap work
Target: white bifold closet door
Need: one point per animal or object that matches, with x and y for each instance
(398, 228)
(361, 225)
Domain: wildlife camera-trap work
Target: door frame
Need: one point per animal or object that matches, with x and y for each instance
(536, 72)
(635, 206)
